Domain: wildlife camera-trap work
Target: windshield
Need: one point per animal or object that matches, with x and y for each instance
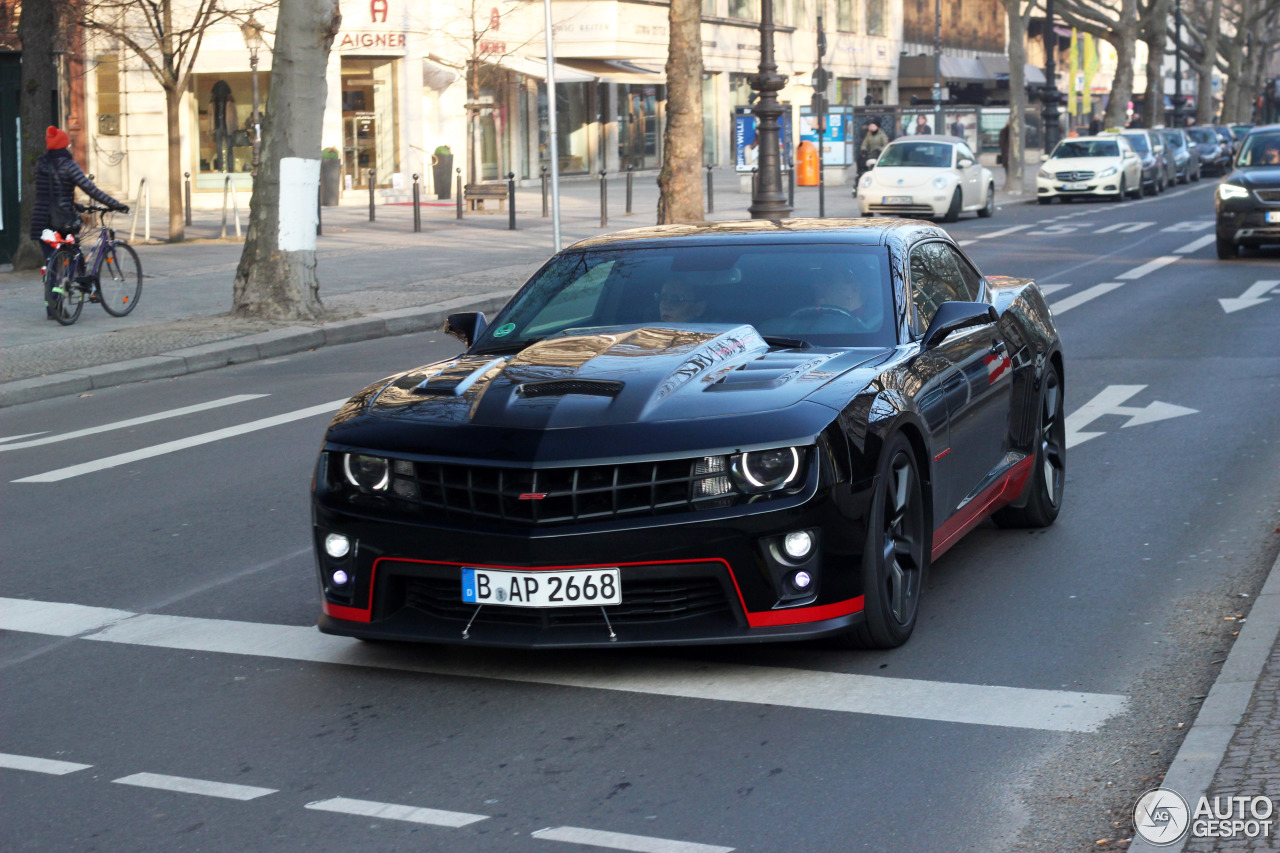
(1138, 141)
(1070, 148)
(1205, 135)
(826, 295)
(935, 155)
(1173, 138)
(1260, 149)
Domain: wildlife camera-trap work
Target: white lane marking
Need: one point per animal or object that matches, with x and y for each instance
(1107, 402)
(56, 620)
(1191, 225)
(180, 444)
(40, 765)
(1149, 267)
(978, 704)
(1003, 232)
(391, 811)
(158, 416)
(1075, 300)
(623, 841)
(1196, 244)
(1059, 228)
(1124, 227)
(1255, 295)
(24, 435)
(203, 787)
(965, 242)
(1046, 289)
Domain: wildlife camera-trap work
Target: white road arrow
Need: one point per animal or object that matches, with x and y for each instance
(1251, 297)
(1108, 403)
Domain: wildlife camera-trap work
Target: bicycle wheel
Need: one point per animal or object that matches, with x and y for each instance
(61, 295)
(120, 280)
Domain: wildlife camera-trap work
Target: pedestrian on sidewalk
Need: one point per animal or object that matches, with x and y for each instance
(1004, 152)
(57, 165)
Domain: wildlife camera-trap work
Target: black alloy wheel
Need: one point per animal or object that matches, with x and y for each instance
(1049, 471)
(988, 210)
(895, 559)
(953, 212)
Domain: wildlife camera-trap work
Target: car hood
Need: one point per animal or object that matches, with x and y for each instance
(1257, 177)
(1081, 164)
(601, 377)
(906, 177)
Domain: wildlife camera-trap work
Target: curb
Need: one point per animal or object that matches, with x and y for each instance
(272, 344)
(1205, 745)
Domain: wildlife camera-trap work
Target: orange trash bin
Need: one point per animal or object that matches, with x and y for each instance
(807, 164)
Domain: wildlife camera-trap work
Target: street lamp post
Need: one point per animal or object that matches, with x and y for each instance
(253, 39)
(1049, 116)
(1178, 101)
(768, 198)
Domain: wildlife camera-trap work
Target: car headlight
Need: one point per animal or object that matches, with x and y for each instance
(371, 473)
(1046, 174)
(866, 181)
(940, 183)
(765, 470)
(1230, 191)
(1108, 172)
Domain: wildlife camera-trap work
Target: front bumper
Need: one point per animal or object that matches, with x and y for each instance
(684, 579)
(1249, 226)
(1103, 187)
(930, 202)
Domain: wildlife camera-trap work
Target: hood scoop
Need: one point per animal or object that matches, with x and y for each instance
(771, 372)
(565, 387)
(454, 380)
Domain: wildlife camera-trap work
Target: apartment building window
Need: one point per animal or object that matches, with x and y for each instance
(877, 19)
(846, 90)
(709, 7)
(748, 9)
(846, 10)
(108, 74)
(798, 15)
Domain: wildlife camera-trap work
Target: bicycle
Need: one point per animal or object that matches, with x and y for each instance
(70, 280)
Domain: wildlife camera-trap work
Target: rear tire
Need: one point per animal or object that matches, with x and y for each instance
(62, 296)
(120, 280)
(1049, 468)
(1140, 190)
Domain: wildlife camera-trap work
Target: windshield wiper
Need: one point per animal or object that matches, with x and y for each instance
(786, 343)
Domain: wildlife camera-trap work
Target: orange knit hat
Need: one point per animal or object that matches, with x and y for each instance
(55, 138)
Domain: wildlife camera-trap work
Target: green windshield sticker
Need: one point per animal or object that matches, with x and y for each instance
(504, 330)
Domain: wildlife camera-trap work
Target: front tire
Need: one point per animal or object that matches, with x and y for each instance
(1049, 471)
(63, 297)
(120, 282)
(1045, 199)
(953, 212)
(1227, 248)
(895, 559)
(988, 210)
(1122, 192)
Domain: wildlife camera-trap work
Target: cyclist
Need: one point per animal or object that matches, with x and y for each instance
(57, 161)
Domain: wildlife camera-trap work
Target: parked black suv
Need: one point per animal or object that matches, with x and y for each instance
(1248, 203)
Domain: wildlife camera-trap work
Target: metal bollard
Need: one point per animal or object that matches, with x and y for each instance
(755, 180)
(604, 200)
(371, 174)
(319, 207)
(511, 201)
(711, 198)
(546, 179)
(630, 169)
(791, 185)
(187, 189)
(459, 171)
(417, 206)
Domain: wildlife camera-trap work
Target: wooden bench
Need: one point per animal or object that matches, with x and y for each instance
(477, 194)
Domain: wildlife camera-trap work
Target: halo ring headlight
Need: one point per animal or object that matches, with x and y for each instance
(366, 472)
(766, 470)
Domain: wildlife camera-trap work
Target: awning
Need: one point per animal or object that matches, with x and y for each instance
(537, 68)
(617, 71)
(436, 75)
(998, 67)
(916, 72)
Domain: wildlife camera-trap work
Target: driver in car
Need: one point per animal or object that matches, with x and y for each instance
(841, 295)
(680, 302)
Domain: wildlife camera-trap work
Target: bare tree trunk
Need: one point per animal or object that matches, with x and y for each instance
(680, 182)
(1156, 37)
(173, 124)
(1204, 88)
(276, 278)
(37, 28)
(1017, 96)
(1125, 42)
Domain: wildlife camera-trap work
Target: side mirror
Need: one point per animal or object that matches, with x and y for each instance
(964, 163)
(953, 316)
(466, 327)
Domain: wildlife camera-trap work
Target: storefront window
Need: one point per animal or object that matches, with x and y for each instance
(740, 91)
(846, 90)
(573, 124)
(638, 125)
(369, 117)
(224, 119)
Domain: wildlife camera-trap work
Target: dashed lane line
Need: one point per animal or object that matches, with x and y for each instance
(1062, 306)
(40, 765)
(180, 444)
(1149, 267)
(391, 811)
(201, 787)
(1196, 244)
(13, 444)
(951, 702)
(623, 841)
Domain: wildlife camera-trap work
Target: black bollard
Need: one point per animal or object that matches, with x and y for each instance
(187, 189)
(319, 207)
(546, 183)
(630, 170)
(604, 200)
(371, 175)
(511, 201)
(791, 184)
(417, 206)
(459, 171)
(711, 198)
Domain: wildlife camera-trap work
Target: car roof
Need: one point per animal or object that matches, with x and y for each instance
(1262, 128)
(864, 232)
(928, 137)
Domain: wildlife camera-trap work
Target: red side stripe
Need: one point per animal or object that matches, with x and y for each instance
(993, 497)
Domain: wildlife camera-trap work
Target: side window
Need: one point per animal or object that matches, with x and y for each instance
(968, 275)
(935, 278)
(965, 152)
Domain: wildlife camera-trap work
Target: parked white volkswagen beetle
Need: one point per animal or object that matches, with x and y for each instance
(936, 176)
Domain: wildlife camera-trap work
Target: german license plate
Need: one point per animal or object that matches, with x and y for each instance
(541, 589)
(1079, 185)
(1273, 216)
(897, 199)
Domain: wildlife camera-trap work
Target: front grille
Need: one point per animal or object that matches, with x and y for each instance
(1074, 176)
(562, 495)
(1268, 196)
(644, 600)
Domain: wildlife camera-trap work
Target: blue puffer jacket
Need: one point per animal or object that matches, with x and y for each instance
(71, 176)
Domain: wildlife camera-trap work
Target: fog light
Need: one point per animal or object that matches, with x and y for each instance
(798, 545)
(336, 545)
(340, 578)
(801, 580)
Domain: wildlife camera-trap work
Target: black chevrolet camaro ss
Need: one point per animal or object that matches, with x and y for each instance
(729, 432)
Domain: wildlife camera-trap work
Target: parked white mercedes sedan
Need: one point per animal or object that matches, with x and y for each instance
(1097, 166)
(935, 176)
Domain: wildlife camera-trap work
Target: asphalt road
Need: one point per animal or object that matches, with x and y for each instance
(1043, 690)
